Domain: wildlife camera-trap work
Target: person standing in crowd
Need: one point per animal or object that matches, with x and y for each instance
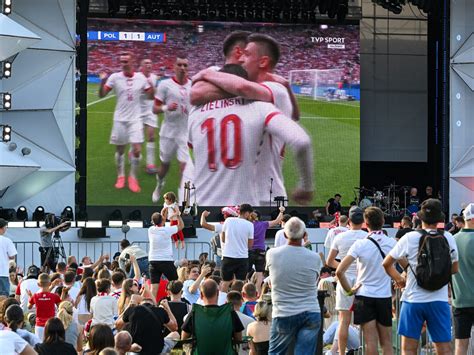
(450, 226)
(45, 302)
(294, 271)
(237, 236)
(460, 224)
(257, 252)
(209, 293)
(161, 251)
(418, 304)
(46, 241)
(7, 253)
(340, 247)
(172, 99)
(333, 205)
(428, 193)
(332, 232)
(140, 256)
(413, 201)
(55, 340)
(280, 238)
(146, 323)
(28, 284)
(235, 298)
(463, 302)
(406, 226)
(373, 289)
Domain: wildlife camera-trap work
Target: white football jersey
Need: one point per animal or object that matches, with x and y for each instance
(175, 124)
(226, 136)
(128, 90)
(272, 151)
(146, 105)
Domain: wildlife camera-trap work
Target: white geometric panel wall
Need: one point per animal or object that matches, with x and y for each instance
(43, 101)
(462, 105)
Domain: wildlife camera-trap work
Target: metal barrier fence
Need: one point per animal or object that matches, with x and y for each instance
(28, 252)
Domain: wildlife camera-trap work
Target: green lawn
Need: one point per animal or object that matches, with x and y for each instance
(333, 126)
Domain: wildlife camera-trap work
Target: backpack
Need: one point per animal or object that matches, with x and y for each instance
(434, 261)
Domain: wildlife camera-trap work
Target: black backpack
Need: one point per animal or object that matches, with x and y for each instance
(434, 261)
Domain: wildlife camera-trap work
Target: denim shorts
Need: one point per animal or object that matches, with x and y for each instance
(4, 286)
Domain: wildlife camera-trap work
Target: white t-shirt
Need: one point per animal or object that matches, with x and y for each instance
(343, 242)
(332, 234)
(128, 90)
(221, 299)
(408, 247)
(237, 233)
(370, 272)
(7, 249)
(175, 124)
(146, 105)
(11, 343)
(226, 137)
(273, 148)
(280, 238)
(28, 284)
(104, 309)
(161, 245)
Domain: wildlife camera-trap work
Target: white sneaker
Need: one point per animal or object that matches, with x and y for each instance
(155, 197)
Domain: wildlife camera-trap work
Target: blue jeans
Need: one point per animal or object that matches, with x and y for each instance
(4, 286)
(144, 268)
(302, 329)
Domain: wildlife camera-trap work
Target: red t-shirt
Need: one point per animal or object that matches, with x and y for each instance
(45, 302)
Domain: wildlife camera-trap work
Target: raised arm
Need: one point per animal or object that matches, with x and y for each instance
(206, 269)
(277, 220)
(238, 86)
(204, 223)
(203, 92)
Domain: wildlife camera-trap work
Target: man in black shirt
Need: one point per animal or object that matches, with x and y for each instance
(405, 226)
(209, 295)
(428, 193)
(145, 323)
(333, 205)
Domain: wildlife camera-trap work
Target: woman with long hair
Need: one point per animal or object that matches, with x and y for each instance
(73, 330)
(83, 300)
(101, 337)
(129, 288)
(54, 340)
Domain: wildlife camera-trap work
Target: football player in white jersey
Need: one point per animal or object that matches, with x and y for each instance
(127, 126)
(150, 120)
(172, 98)
(259, 58)
(226, 136)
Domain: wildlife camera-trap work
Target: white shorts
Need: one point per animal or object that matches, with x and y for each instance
(150, 120)
(169, 147)
(344, 302)
(124, 132)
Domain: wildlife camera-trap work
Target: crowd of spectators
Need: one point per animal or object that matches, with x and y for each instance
(97, 308)
(204, 49)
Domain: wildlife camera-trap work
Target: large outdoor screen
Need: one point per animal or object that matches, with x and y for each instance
(233, 165)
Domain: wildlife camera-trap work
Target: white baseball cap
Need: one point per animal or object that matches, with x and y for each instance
(469, 212)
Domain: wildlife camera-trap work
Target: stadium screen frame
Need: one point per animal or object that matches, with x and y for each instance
(329, 113)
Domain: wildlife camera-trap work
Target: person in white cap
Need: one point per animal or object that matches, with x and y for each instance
(463, 302)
